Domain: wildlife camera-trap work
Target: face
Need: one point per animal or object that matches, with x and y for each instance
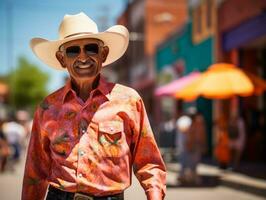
(83, 58)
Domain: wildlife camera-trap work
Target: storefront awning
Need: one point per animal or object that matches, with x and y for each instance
(173, 87)
(246, 32)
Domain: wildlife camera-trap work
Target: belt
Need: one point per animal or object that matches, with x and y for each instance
(82, 196)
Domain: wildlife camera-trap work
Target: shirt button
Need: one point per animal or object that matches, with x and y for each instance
(84, 131)
(80, 175)
(82, 153)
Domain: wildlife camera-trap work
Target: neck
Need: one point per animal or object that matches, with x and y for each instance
(83, 88)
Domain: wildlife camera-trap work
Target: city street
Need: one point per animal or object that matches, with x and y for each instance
(174, 83)
(10, 187)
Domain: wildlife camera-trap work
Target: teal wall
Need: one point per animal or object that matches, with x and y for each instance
(197, 57)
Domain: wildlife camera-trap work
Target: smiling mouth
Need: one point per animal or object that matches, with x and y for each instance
(85, 66)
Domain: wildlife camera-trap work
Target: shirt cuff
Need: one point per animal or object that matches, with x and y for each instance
(155, 195)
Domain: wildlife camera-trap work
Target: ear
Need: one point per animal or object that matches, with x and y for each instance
(60, 57)
(105, 52)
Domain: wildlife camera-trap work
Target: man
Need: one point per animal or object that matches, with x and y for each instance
(87, 135)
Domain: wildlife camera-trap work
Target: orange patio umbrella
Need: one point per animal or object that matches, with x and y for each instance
(258, 83)
(220, 81)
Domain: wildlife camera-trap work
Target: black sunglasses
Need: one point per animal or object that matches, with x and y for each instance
(89, 49)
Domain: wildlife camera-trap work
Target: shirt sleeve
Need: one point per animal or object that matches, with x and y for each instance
(37, 163)
(148, 165)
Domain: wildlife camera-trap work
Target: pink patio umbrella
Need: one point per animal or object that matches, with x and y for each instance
(175, 86)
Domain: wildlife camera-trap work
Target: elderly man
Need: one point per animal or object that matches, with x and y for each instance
(88, 135)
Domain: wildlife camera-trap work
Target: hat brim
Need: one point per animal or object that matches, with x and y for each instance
(116, 38)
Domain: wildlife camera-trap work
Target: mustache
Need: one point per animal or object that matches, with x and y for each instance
(87, 62)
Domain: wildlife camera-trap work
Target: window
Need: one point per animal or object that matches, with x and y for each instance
(203, 19)
(209, 18)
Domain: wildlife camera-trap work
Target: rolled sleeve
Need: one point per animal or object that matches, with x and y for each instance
(155, 195)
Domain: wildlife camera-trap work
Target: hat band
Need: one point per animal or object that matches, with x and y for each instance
(81, 33)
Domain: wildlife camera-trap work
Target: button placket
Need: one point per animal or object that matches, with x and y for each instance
(83, 126)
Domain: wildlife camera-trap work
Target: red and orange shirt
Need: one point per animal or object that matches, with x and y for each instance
(91, 146)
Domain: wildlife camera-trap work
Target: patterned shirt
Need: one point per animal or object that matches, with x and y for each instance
(91, 146)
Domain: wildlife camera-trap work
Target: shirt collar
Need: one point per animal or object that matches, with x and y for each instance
(103, 87)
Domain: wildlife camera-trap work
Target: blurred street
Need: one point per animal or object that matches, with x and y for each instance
(198, 73)
(217, 184)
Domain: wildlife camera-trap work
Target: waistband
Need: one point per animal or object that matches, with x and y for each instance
(82, 196)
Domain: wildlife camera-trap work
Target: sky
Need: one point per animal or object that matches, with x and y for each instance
(22, 20)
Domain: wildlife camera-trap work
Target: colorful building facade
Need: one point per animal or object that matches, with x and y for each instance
(186, 51)
(242, 40)
(231, 31)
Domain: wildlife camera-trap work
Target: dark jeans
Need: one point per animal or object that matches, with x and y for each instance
(17, 149)
(54, 194)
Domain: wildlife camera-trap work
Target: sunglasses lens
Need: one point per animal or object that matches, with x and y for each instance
(73, 51)
(91, 49)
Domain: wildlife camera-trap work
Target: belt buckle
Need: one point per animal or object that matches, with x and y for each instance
(79, 196)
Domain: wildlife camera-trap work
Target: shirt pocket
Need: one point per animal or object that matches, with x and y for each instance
(112, 139)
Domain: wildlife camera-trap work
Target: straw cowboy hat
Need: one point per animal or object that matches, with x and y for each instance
(80, 26)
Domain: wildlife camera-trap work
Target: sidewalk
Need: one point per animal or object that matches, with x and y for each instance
(217, 185)
(11, 182)
(212, 176)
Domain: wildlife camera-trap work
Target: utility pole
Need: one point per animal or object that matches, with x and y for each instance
(10, 46)
(9, 32)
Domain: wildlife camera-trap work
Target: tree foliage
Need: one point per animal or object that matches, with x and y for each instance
(27, 85)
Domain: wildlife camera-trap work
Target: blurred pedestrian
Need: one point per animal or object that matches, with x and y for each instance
(4, 149)
(23, 118)
(256, 140)
(200, 133)
(167, 136)
(222, 150)
(183, 125)
(197, 143)
(237, 136)
(88, 135)
(14, 133)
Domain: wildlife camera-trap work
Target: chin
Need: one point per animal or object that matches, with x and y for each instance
(86, 75)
